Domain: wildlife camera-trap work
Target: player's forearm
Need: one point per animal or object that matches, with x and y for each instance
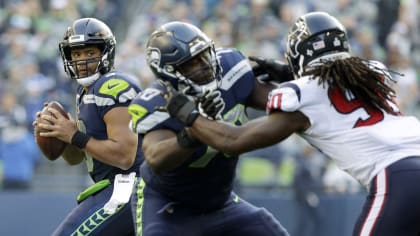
(166, 155)
(260, 93)
(120, 154)
(220, 135)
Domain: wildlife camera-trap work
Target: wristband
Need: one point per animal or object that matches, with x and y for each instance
(185, 141)
(80, 139)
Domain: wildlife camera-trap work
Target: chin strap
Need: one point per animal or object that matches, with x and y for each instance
(86, 81)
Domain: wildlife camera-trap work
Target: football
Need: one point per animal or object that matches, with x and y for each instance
(51, 147)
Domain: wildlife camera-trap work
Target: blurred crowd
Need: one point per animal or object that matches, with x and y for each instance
(31, 70)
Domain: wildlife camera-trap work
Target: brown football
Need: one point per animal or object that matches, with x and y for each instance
(51, 147)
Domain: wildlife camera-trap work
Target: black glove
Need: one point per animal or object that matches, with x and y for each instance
(211, 105)
(179, 105)
(277, 71)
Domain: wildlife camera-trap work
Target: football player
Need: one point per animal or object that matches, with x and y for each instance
(100, 136)
(186, 185)
(342, 105)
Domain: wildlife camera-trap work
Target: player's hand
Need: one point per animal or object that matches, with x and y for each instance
(211, 105)
(179, 105)
(277, 71)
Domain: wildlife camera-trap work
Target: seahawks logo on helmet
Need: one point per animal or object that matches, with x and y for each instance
(154, 60)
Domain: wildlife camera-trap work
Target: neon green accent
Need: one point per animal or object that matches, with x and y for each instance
(89, 162)
(113, 87)
(139, 207)
(98, 186)
(236, 199)
(237, 116)
(286, 172)
(137, 112)
(93, 222)
(205, 159)
(256, 171)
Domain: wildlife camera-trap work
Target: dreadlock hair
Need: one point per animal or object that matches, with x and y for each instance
(355, 75)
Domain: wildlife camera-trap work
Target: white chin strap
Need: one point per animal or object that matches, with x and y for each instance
(86, 81)
(196, 90)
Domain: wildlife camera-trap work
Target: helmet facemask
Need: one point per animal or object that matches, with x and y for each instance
(199, 74)
(86, 71)
(88, 32)
(183, 55)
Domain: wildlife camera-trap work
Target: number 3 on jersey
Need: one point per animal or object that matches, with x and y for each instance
(346, 105)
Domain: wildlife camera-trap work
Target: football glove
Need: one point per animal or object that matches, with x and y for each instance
(211, 105)
(179, 105)
(277, 71)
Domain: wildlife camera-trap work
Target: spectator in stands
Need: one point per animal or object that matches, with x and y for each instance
(307, 187)
(18, 152)
(386, 18)
(400, 54)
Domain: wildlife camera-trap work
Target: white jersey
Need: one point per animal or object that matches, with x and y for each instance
(361, 141)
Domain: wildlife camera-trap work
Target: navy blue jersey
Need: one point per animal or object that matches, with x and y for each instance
(205, 180)
(113, 89)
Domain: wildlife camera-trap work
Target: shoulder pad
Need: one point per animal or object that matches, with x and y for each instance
(144, 111)
(113, 87)
(285, 98)
(119, 86)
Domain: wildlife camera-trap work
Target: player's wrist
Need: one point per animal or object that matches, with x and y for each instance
(80, 139)
(183, 109)
(192, 117)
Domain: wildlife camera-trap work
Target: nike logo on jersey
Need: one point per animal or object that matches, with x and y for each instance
(111, 86)
(114, 87)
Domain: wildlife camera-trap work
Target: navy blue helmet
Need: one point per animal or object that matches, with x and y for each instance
(183, 55)
(315, 36)
(88, 32)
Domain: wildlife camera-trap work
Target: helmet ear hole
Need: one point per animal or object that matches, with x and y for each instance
(173, 44)
(103, 66)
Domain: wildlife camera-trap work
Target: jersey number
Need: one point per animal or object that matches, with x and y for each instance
(236, 115)
(345, 105)
(149, 93)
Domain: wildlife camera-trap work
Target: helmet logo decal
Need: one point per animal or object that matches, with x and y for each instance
(77, 38)
(318, 45)
(153, 57)
(154, 60)
(197, 45)
(336, 42)
(309, 52)
(298, 33)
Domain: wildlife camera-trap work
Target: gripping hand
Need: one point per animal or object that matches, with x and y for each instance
(211, 105)
(277, 71)
(179, 105)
